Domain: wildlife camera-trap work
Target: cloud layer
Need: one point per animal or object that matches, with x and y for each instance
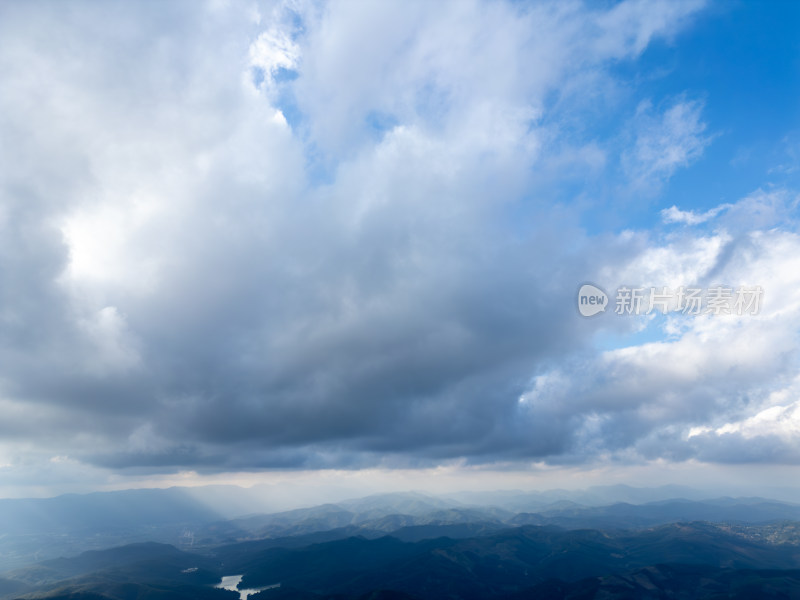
(237, 236)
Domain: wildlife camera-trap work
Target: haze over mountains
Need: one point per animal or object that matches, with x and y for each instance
(168, 543)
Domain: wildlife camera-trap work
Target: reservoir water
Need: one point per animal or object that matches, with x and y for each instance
(230, 582)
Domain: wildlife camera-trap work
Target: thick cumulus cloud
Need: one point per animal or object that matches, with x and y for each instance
(714, 387)
(239, 235)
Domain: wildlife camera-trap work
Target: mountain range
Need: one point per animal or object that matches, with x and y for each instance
(155, 544)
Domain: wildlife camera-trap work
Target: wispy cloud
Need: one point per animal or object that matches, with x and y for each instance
(664, 142)
(689, 217)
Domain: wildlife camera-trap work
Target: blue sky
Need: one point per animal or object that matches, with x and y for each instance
(741, 59)
(259, 241)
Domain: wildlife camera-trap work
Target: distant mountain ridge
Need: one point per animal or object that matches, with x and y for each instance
(37, 529)
(566, 514)
(513, 563)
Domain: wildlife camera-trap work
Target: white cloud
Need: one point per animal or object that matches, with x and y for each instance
(363, 286)
(664, 142)
(274, 50)
(674, 215)
(782, 421)
(763, 209)
(716, 376)
(630, 26)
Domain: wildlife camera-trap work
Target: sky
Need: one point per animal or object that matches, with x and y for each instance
(321, 242)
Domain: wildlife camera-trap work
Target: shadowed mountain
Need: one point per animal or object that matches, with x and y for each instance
(371, 517)
(673, 582)
(12, 587)
(631, 516)
(148, 570)
(38, 528)
(534, 562)
(384, 513)
(135, 562)
(493, 565)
